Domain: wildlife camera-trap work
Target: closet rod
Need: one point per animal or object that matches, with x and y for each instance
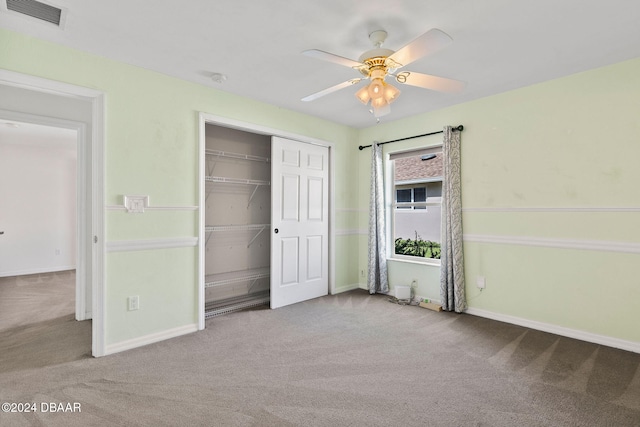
(459, 128)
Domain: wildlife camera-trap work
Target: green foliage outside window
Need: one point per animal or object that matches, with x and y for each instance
(417, 247)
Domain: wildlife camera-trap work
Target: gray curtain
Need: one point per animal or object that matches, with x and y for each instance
(377, 271)
(452, 293)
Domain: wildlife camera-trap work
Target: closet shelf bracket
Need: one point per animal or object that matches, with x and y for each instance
(256, 236)
(255, 227)
(252, 194)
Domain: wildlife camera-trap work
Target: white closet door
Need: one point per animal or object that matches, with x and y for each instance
(299, 221)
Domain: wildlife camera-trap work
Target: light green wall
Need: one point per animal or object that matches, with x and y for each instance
(166, 282)
(152, 148)
(571, 142)
(567, 143)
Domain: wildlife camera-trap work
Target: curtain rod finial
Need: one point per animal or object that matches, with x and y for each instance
(459, 128)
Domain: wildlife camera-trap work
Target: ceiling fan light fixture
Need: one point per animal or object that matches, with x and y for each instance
(381, 95)
(391, 93)
(380, 107)
(363, 95)
(376, 88)
(378, 63)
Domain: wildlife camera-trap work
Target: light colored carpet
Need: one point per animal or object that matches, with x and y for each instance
(25, 300)
(37, 322)
(346, 360)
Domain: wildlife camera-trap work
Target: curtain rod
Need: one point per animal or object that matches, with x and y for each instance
(459, 128)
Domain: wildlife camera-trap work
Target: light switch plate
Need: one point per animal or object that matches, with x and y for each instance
(136, 204)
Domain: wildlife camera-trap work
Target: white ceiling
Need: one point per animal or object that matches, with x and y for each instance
(498, 44)
(30, 134)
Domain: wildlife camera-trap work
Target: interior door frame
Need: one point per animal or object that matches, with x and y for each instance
(206, 118)
(91, 165)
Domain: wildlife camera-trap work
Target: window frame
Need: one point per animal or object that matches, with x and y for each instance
(391, 205)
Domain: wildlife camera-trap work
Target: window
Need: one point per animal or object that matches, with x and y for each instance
(405, 197)
(416, 190)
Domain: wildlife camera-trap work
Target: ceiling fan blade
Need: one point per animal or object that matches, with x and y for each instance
(330, 57)
(427, 81)
(428, 43)
(331, 89)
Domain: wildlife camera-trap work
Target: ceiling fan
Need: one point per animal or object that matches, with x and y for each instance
(379, 63)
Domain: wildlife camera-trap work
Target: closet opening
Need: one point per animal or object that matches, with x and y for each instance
(237, 221)
(266, 217)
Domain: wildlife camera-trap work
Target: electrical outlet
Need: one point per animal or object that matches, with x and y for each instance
(58, 251)
(480, 282)
(134, 303)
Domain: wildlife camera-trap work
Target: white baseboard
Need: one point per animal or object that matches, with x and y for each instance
(150, 339)
(37, 271)
(558, 330)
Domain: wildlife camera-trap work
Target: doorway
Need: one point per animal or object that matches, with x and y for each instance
(30, 99)
(41, 199)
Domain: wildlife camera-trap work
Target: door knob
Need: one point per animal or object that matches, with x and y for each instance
(276, 231)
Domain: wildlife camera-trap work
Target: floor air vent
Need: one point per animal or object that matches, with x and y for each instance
(36, 9)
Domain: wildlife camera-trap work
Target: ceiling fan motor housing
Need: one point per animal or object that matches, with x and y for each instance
(375, 59)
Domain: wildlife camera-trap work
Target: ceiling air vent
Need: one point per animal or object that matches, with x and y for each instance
(36, 9)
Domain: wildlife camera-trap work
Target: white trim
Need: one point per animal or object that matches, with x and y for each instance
(84, 305)
(154, 208)
(420, 150)
(97, 99)
(558, 330)
(332, 218)
(25, 81)
(151, 244)
(352, 232)
(359, 210)
(418, 181)
(150, 339)
(433, 262)
(38, 271)
(591, 245)
(556, 209)
(99, 292)
(202, 171)
(259, 129)
(203, 119)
